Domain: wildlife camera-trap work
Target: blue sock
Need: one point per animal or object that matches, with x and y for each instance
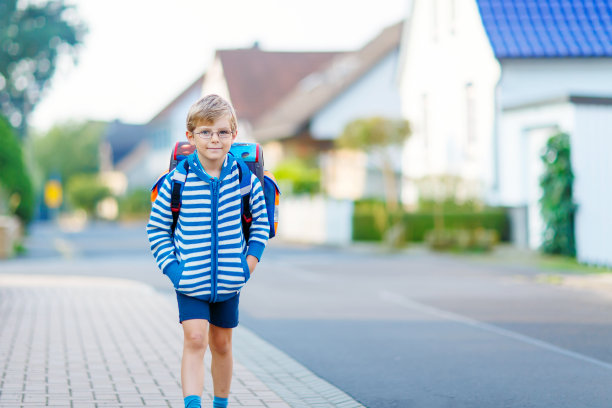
(193, 401)
(219, 402)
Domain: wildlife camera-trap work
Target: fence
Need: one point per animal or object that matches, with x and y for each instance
(315, 220)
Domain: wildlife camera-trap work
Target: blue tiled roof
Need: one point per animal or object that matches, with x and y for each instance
(548, 28)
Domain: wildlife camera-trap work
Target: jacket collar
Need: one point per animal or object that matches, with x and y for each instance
(198, 169)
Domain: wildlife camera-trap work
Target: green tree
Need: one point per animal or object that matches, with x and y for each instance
(557, 203)
(32, 36)
(15, 181)
(69, 149)
(376, 136)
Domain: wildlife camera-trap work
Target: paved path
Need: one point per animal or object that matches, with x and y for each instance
(100, 342)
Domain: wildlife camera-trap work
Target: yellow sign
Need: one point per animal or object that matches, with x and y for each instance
(53, 194)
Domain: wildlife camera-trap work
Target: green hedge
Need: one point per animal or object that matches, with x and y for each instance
(136, 204)
(366, 223)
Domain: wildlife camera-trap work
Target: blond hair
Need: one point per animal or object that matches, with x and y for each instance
(208, 110)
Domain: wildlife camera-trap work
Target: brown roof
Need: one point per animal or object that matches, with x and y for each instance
(297, 107)
(258, 80)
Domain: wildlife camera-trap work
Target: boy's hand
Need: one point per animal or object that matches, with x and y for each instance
(252, 261)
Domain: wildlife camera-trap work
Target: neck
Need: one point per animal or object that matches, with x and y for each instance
(212, 167)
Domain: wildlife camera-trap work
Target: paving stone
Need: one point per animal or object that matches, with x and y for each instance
(111, 343)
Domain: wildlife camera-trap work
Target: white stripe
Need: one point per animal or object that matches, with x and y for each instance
(411, 304)
(178, 177)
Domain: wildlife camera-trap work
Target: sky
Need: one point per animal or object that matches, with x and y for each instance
(139, 54)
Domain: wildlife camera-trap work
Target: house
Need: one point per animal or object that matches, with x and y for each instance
(122, 144)
(134, 155)
(485, 83)
(255, 81)
(314, 113)
(168, 127)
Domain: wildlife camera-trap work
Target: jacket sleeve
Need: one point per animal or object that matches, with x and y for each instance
(159, 231)
(260, 228)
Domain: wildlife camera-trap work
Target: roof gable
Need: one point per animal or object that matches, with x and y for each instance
(551, 28)
(257, 79)
(318, 89)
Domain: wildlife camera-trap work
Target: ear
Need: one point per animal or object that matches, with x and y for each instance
(235, 136)
(190, 138)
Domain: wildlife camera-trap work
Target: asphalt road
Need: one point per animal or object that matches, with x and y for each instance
(392, 330)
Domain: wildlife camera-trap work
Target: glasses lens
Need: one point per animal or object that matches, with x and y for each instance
(222, 134)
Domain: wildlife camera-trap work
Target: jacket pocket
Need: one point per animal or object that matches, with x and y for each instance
(176, 282)
(245, 268)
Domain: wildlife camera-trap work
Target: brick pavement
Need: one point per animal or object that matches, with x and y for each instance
(98, 342)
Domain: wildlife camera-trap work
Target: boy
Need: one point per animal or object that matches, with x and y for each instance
(207, 258)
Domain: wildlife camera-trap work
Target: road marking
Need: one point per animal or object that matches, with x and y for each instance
(403, 301)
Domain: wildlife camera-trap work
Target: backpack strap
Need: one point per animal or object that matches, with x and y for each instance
(245, 193)
(178, 181)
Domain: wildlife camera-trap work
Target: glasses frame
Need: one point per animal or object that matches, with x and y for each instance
(213, 132)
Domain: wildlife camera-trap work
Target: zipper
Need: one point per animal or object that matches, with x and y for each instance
(214, 186)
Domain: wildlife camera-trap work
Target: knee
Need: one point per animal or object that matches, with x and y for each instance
(220, 345)
(196, 341)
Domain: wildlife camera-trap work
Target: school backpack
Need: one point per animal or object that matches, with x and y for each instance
(249, 157)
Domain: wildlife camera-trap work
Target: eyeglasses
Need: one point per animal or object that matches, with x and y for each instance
(223, 134)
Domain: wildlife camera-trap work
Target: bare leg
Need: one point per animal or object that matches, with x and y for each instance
(222, 359)
(192, 364)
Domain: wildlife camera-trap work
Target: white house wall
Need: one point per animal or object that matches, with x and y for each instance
(528, 80)
(375, 94)
(591, 147)
(448, 85)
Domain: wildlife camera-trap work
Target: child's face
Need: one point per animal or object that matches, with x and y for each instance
(212, 140)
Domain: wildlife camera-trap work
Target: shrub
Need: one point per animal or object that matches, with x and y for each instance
(14, 177)
(298, 177)
(479, 239)
(85, 191)
(367, 222)
(558, 208)
(137, 203)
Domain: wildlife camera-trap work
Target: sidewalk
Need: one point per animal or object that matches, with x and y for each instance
(98, 342)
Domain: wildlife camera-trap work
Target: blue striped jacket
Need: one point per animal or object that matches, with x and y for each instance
(206, 257)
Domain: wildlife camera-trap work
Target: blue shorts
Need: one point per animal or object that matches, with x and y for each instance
(221, 314)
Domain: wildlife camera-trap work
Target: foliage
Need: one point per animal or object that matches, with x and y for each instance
(478, 239)
(367, 222)
(137, 203)
(449, 205)
(373, 133)
(557, 204)
(14, 177)
(375, 136)
(85, 191)
(32, 37)
(69, 149)
(298, 176)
